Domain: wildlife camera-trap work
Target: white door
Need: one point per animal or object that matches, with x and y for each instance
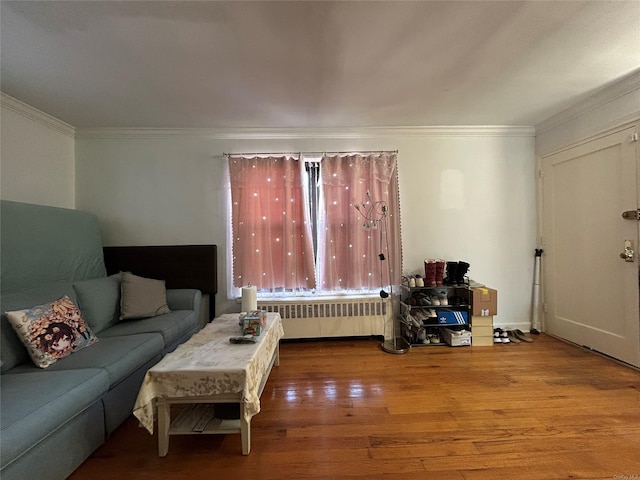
(591, 293)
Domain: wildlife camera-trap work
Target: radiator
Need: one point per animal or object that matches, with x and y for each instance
(331, 318)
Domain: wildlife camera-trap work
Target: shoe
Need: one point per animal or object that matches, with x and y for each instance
(455, 301)
(521, 336)
(463, 268)
(440, 296)
(500, 336)
(424, 300)
(439, 272)
(435, 301)
(430, 272)
(512, 336)
(414, 321)
(433, 336)
(419, 281)
(412, 282)
(422, 335)
(452, 274)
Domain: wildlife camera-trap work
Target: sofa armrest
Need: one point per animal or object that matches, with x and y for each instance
(184, 299)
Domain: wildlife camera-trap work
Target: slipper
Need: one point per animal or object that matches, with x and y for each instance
(512, 336)
(521, 335)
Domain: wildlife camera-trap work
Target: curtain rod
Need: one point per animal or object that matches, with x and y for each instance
(367, 152)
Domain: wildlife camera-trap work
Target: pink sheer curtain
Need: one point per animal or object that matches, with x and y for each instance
(272, 244)
(349, 254)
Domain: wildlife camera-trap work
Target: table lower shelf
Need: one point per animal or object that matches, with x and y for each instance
(201, 418)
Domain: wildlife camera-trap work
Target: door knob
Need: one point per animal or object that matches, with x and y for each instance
(628, 253)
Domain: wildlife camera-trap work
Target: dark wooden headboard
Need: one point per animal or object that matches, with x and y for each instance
(180, 266)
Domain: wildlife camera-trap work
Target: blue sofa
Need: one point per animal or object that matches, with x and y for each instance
(52, 419)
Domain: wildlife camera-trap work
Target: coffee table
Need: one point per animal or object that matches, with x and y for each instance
(207, 370)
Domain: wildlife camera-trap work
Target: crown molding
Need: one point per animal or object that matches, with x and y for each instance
(38, 116)
(259, 133)
(605, 95)
(606, 129)
(306, 133)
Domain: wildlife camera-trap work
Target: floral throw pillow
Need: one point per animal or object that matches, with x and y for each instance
(51, 331)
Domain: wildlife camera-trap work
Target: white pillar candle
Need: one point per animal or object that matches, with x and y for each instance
(249, 298)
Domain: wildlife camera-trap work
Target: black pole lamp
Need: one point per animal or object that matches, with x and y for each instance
(375, 216)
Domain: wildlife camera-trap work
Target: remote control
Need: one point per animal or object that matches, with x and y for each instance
(238, 340)
(202, 423)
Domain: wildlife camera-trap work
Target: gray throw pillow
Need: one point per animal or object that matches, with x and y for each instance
(142, 297)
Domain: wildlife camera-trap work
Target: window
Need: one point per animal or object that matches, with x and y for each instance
(296, 228)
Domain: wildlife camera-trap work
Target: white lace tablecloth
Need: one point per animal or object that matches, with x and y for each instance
(208, 364)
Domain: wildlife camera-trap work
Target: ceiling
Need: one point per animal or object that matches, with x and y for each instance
(236, 64)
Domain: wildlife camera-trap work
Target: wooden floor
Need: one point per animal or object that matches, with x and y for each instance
(345, 409)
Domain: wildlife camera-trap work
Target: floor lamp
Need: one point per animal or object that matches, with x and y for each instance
(375, 215)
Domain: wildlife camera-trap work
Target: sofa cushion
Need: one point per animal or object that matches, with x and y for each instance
(11, 348)
(99, 301)
(118, 356)
(51, 331)
(44, 245)
(36, 404)
(142, 297)
(172, 326)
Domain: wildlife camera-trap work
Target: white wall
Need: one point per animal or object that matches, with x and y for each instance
(165, 187)
(466, 193)
(37, 163)
(488, 222)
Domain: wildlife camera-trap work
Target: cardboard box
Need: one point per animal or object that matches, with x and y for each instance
(482, 330)
(478, 321)
(484, 301)
(481, 341)
(452, 317)
(456, 338)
